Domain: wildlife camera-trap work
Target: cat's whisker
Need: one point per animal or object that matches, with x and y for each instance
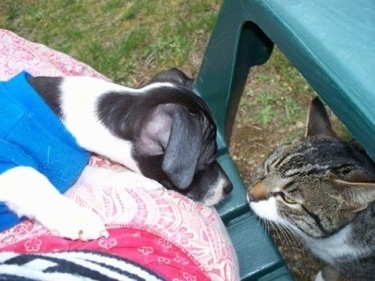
(290, 237)
(267, 225)
(277, 229)
(287, 234)
(261, 222)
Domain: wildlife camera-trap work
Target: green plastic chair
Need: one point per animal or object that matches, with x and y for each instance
(332, 44)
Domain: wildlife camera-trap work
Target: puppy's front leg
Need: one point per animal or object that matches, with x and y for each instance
(117, 178)
(29, 193)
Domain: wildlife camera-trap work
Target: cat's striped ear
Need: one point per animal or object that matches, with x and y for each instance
(318, 123)
(357, 195)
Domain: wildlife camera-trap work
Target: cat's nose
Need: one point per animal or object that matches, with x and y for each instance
(250, 195)
(257, 192)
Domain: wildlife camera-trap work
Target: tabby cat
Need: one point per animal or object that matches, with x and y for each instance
(322, 189)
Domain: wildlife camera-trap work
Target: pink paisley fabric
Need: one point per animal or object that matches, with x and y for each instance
(151, 251)
(16, 54)
(176, 230)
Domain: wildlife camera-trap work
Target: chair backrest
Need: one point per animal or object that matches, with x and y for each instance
(236, 44)
(332, 44)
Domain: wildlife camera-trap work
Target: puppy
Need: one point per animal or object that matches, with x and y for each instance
(162, 131)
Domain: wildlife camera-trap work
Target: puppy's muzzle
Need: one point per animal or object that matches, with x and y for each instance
(210, 186)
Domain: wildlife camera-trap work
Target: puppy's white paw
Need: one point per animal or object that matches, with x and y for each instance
(69, 220)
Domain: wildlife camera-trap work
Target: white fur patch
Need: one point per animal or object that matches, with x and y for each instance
(218, 193)
(319, 277)
(331, 248)
(266, 209)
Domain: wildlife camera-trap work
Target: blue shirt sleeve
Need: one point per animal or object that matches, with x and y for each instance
(32, 135)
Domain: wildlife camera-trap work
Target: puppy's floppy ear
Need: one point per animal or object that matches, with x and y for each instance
(175, 134)
(173, 75)
(183, 147)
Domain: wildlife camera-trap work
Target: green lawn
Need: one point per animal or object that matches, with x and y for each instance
(125, 40)
(129, 41)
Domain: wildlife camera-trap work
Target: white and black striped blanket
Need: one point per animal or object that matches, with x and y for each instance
(70, 266)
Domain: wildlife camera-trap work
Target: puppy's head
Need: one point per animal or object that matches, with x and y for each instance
(175, 141)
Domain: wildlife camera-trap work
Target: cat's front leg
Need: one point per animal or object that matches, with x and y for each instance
(29, 193)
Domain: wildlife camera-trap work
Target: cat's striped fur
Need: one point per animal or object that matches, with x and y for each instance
(322, 189)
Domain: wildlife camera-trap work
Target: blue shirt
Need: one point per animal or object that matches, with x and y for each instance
(32, 135)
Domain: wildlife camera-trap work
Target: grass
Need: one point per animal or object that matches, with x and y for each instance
(122, 39)
(129, 41)
(281, 94)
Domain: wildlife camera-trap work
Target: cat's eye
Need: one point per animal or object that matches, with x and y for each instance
(287, 199)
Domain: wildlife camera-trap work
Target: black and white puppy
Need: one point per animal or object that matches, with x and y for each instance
(162, 131)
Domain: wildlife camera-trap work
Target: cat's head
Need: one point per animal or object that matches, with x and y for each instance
(314, 186)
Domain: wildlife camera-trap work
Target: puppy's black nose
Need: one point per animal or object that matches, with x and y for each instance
(228, 187)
